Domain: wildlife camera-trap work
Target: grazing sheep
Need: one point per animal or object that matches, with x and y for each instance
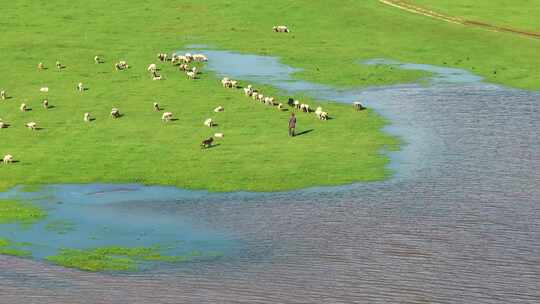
(191, 75)
(80, 87)
(296, 104)
(280, 106)
(255, 95)
(233, 84)
(225, 81)
(162, 56)
(269, 101)
(280, 29)
(219, 109)
(97, 60)
(152, 67)
(260, 97)
(219, 135)
(358, 106)
(248, 91)
(183, 67)
(156, 106)
(45, 104)
(207, 143)
(87, 117)
(209, 122)
(40, 66)
(194, 70)
(167, 116)
(3, 94)
(157, 77)
(8, 158)
(323, 116)
(115, 113)
(23, 107)
(31, 125)
(44, 89)
(58, 65)
(304, 107)
(121, 65)
(199, 57)
(3, 124)
(189, 56)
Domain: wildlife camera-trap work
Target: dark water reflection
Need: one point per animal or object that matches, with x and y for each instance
(460, 222)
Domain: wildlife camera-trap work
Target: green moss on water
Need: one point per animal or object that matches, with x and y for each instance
(14, 211)
(7, 248)
(115, 258)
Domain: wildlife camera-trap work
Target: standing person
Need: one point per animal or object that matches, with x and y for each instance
(292, 124)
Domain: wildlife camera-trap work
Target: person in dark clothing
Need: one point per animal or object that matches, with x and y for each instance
(292, 124)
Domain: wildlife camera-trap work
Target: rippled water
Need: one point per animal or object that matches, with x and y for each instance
(460, 222)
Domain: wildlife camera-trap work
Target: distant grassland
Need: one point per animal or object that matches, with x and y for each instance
(327, 40)
(509, 13)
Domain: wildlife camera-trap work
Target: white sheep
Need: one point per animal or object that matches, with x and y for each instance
(45, 104)
(44, 89)
(191, 75)
(3, 94)
(8, 158)
(2, 125)
(304, 107)
(269, 101)
(156, 77)
(40, 66)
(80, 87)
(167, 116)
(152, 67)
(87, 117)
(209, 122)
(115, 113)
(97, 60)
(296, 104)
(219, 109)
(58, 65)
(255, 95)
(280, 106)
(194, 70)
(31, 125)
(260, 97)
(23, 107)
(219, 135)
(225, 81)
(323, 116)
(199, 57)
(156, 106)
(188, 55)
(233, 84)
(281, 29)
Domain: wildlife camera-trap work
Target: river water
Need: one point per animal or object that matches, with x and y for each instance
(458, 223)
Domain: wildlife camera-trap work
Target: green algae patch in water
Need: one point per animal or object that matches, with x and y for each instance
(7, 248)
(14, 211)
(115, 258)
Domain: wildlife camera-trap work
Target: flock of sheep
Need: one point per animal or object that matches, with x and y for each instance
(183, 62)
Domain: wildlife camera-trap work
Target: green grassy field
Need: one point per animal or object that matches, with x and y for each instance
(515, 14)
(256, 154)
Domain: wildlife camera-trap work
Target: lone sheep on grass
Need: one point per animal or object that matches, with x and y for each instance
(281, 29)
(80, 87)
(167, 116)
(209, 122)
(44, 89)
(87, 117)
(152, 67)
(156, 106)
(219, 109)
(115, 113)
(31, 125)
(3, 94)
(219, 135)
(8, 158)
(97, 60)
(45, 104)
(23, 107)
(191, 75)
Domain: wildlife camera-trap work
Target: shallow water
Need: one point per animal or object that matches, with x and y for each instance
(459, 223)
